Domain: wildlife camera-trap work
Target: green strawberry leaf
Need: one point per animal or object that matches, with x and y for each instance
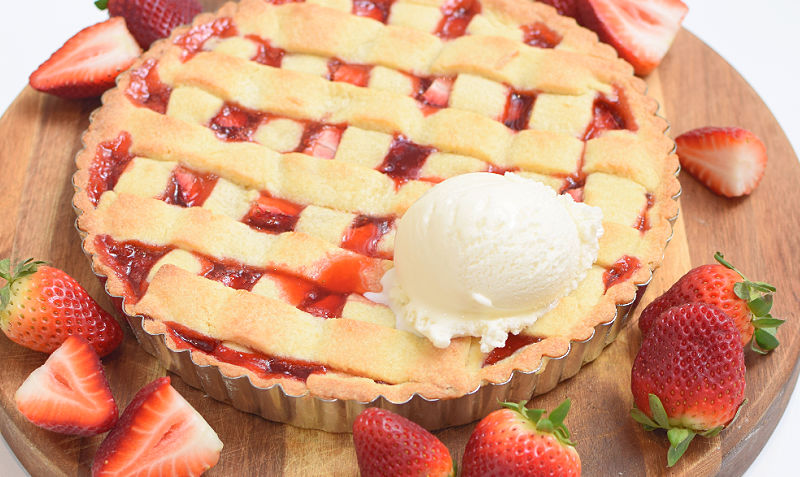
(658, 411)
(712, 432)
(545, 425)
(533, 414)
(742, 290)
(5, 297)
(763, 287)
(721, 259)
(769, 322)
(5, 268)
(559, 413)
(760, 306)
(639, 416)
(738, 412)
(765, 339)
(679, 440)
(101, 4)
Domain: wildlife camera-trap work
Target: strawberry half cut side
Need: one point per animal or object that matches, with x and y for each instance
(89, 62)
(69, 393)
(640, 31)
(728, 160)
(159, 433)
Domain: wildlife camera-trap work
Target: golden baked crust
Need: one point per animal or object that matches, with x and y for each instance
(332, 187)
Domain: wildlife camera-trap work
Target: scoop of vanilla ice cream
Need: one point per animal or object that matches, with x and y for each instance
(486, 255)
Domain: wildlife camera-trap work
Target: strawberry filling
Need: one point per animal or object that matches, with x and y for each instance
(187, 188)
(261, 364)
(271, 214)
(404, 160)
(146, 89)
(622, 269)
(500, 170)
(513, 344)
(433, 94)
(193, 40)
(266, 54)
(539, 35)
(321, 140)
(456, 17)
(131, 261)
(642, 222)
(236, 123)
(365, 234)
(348, 73)
(608, 114)
(375, 9)
(232, 274)
(518, 109)
(309, 297)
(110, 160)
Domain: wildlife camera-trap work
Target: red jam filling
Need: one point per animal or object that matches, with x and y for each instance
(375, 9)
(321, 140)
(236, 123)
(233, 274)
(621, 270)
(404, 160)
(513, 343)
(500, 170)
(273, 215)
(365, 234)
(539, 35)
(433, 94)
(146, 89)
(345, 274)
(187, 188)
(456, 17)
(266, 53)
(573, 185)
(282, 2)
(110, 160)
(263, 365)
(607, 114)
(310, 297)
(131, 261)
(348, 73)
(518, 109)
(193, 40)
(642, 222)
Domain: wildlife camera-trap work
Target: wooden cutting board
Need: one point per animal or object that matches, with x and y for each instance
(39, 136)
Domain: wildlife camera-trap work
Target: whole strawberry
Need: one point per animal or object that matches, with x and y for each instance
(747, 303)
(150, 20)
(40, 306)
(688, 376)
(521, 442)
(388, 444)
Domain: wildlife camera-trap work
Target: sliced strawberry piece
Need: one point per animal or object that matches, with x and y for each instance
(729, 161)
(322, 142)
(150, 20)
(641, 32)
(438, 93)
(347, 73)
(89, 62)
(158, 434)
(69, 393)
(564, 7)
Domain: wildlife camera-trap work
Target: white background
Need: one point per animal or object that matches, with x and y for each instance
(760, 39)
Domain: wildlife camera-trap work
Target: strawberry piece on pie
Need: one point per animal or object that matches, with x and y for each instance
(567, 8)
(150, 20)
(89, 62)
(641, 32)
(69, 393)
(729, 161)
(159, 433)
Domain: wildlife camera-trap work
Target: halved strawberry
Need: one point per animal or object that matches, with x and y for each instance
(89, 62)
(564, 7)
(158, 434)
(641, 31)
(150, 20)
(69, 393)
(729, 161)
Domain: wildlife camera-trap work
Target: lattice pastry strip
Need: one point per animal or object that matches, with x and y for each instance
(251, 320)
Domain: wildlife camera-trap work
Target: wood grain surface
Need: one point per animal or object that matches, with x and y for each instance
(39, 136)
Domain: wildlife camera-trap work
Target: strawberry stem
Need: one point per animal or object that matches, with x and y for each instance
(553, 423)
(23, 269)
